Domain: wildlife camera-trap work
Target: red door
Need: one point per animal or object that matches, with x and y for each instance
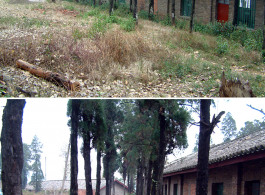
(223, 10)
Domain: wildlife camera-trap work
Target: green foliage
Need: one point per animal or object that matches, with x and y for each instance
(175, 67)
(37, 175)
(143, 14)
(128, 24)
(26, 165)
(99, 27)
(222, 45)
(228, 129)
(250, 127)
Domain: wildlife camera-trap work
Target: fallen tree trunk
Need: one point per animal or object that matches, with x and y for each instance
(56, 78)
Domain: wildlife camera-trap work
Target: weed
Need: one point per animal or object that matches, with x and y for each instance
(128, 24)
(222, 46)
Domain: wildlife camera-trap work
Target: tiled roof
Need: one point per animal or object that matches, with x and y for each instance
(57, 184)
(238, 147)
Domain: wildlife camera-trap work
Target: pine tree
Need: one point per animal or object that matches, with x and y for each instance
(26, 164)
(73, 111)
(37, 175)
(228, 128)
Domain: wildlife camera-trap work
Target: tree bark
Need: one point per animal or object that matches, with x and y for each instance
(235, 12)
(168, 7)
(151, 9)
(56, 78)
(86, 153)
(139, 186)
(263, 45)
(203, 150)
(157, 180)
(12, 147)
(107, 166)
(192, 16)
(206, 129)
(74, 151)
(149, 176)
(173, 13)
(98, 172)
(135, 12)
(110, 7)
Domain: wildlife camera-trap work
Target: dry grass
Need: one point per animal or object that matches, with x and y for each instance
(136, 56)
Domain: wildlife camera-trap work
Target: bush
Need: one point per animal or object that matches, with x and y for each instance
(222, 45)
(128, 24)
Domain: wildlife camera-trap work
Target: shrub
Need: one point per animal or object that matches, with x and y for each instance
(222, 45)
(128, 24)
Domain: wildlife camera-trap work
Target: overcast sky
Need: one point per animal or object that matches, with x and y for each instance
(47, 119)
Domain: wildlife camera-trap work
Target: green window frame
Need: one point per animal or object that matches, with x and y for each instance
(186, 7)
(246, 13)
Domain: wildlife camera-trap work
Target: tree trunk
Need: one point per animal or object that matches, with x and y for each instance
(12, 147)
(168, 7)
(235, 12)
(74, 151)
(173, 13)
(86, 153)
(157, 179)
(192, 16)
(206, 129)
(107, 165)
(151, 10)
(98, 172)
(65, 166)
(110, 7)
(135, 14)
(149, 177)
(53, 77)
(263, 45)
(139, 180)
(203, 150)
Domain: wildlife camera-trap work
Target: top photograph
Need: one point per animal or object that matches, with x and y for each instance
(132, 48)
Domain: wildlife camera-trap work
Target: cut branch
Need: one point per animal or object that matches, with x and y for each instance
(56, 78)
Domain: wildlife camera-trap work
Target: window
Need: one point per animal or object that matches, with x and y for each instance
(186, 7)
(252, 187)
(175, 189)
(246, 13)
(217, 188)
(165, 189)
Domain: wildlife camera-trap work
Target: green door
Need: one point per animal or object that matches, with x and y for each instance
(186, 7)
(246, 13)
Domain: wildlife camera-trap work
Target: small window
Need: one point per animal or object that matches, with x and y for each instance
(175, 189)
(217, 188)
(252, 187)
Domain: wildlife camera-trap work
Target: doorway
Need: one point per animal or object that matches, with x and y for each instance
(223, 11)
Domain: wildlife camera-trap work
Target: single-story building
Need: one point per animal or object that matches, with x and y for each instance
(235, 168)
(56, 185)
(247, 12)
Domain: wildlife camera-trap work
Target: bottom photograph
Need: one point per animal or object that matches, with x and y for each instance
(132, 146)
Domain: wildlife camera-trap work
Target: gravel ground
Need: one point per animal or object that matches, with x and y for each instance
(15, 82)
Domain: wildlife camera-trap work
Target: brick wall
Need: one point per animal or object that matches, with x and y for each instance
(203, 10)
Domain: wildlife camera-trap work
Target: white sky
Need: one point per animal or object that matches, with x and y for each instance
(47, 119)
